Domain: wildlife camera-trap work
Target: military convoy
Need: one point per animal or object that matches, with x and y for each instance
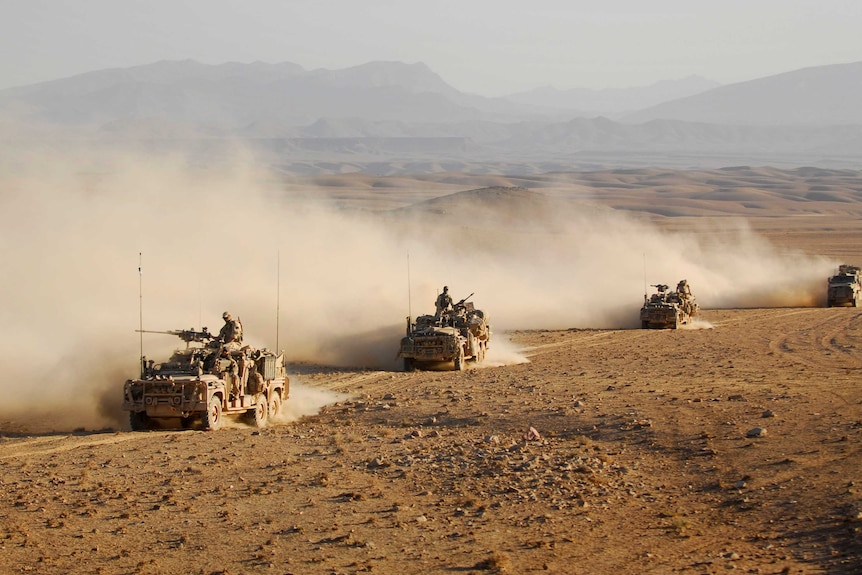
(457, 335)
(845, 287)
(205, 382)
(669, 309)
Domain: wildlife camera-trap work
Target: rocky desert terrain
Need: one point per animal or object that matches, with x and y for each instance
(733, 446)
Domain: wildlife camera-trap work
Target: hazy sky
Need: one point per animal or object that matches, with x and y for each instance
(488, 47)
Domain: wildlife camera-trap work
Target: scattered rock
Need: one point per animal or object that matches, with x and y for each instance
(378, 463)
(756, 432)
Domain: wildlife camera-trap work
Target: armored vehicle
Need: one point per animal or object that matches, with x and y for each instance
(845, 287)
(458, 335)
(205, 382)
(668, 309)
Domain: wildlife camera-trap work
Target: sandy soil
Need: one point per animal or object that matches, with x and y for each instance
(648, 461)
(732, 447)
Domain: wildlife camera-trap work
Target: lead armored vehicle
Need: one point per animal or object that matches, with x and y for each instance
(845, 287)
(668, 309)
(458, 335)
(205, 382)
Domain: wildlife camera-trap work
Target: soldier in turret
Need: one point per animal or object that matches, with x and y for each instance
(230, 336)
(443, 303)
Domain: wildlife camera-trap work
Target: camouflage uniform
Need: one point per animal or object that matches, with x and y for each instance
(684, 292)
(443, 303)
(230, 335)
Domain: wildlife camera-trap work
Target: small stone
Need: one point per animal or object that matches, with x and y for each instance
(756, 432)
(768, 413)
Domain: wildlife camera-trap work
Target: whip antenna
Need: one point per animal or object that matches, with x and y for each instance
(409, 297)
(645, 280)
(141, 310)
(277, 297)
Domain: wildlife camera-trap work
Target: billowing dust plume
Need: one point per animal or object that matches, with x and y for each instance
(227, 238)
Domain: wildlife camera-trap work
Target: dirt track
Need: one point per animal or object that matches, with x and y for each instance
(644, 466)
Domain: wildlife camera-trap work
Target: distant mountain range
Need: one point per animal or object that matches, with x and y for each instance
(613, 102)
(823, 95)
(236, 96)
(384, 111)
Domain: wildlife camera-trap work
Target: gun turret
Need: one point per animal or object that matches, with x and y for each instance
(187, 335)
(464, 300)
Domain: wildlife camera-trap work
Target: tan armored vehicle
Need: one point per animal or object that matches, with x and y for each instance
(458, 335)
(205, 382)
(669, 309)
(845, 287)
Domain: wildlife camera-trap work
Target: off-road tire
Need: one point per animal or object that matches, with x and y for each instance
(409, 364)
(259, 415)
(274, 405)
(140, 421)
(459, 361)
(213, 417)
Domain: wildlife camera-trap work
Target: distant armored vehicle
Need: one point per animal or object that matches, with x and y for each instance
(457, 336)
(668, 309)
(845, 287)
(205, 382)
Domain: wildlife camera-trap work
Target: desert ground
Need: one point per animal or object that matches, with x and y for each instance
(730, 447)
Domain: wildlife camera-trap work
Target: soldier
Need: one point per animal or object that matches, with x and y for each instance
(684, 291)
(443, 303)
(230, 336)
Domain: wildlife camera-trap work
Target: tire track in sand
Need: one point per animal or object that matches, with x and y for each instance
(60, 443)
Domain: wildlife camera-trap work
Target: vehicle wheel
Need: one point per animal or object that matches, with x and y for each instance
(258, 414)
(212, 419)
(409, 364)
(274, 405)
(459, 361)
(139, 420)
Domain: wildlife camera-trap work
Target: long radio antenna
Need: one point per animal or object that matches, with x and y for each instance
(409, 296)
(141, 310)
(645, 280)
(277, 298)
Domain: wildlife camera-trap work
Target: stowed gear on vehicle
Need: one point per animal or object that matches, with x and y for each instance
(455, 333)
(668, 309)
(211, 378)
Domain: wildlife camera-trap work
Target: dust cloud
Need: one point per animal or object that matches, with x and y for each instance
(306, 400)
(326, 285)
(697, 323)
